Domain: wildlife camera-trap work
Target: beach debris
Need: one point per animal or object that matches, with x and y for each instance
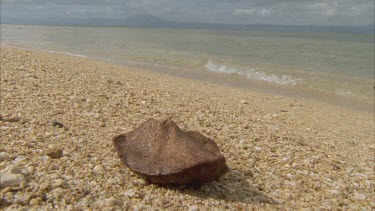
(58, 124)
(162, 153)
(11, 176)
(54, 153)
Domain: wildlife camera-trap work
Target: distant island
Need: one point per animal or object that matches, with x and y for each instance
(149, 21)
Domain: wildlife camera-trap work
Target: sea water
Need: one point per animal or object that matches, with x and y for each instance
(319, 63)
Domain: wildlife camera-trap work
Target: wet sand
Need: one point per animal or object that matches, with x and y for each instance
(283, 152)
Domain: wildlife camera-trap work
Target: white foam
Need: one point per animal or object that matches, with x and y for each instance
(251, 74)
(67, 53)
(77, 55)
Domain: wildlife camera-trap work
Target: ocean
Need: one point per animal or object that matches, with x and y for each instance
(333, 67)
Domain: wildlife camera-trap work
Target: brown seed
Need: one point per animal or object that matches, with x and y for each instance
(162, 153)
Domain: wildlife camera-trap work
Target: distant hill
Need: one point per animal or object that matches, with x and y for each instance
(150, 21)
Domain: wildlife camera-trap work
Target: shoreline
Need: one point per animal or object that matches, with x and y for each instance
(235, 81)
(282, 152)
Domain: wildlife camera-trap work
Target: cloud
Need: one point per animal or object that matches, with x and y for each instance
(250, 12)
(325, 8)
(318, 12)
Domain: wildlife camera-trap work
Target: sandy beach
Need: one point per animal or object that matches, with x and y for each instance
(283, 153)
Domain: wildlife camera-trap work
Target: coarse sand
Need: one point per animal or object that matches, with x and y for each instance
(283, 153)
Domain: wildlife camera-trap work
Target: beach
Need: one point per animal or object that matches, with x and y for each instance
(283, 153)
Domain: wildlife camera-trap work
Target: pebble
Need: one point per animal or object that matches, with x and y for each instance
(99, 169)
(7, 189)
(14, 119)
(59, 183)
(25, 172)
(44, 186)
(359, 197)
(43, 158)
(140, 207)
(35, 201)
(307, 162)
(19, 159)
(285, 159)
(55, 153)
(274, 115)
(11, 176)
(31, 169)
(23, 185)
(129, 193)
(112, 202)
(57, 124)
(290, 176)
(193, 208)
(3, 156)
(74, 148)
(140, 182)
(258, 149)
(335, 192)
(165, 201)
(112, 181)
(244, 102)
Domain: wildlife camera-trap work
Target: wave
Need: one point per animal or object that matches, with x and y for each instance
(69, 54)
(77, 55)
(251, 74)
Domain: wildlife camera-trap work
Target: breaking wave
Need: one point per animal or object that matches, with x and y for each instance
(251, 74)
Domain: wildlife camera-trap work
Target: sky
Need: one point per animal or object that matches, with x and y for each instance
(285, 12)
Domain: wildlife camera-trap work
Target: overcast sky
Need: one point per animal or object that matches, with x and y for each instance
(290, 12)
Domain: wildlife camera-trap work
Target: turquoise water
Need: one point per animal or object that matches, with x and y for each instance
(330, 63)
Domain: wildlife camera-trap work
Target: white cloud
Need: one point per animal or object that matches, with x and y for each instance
(244, 12)
(327, 8)
(265, 12)
(330, 12)
(249, 12)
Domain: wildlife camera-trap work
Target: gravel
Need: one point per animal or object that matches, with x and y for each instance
(314, 155)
